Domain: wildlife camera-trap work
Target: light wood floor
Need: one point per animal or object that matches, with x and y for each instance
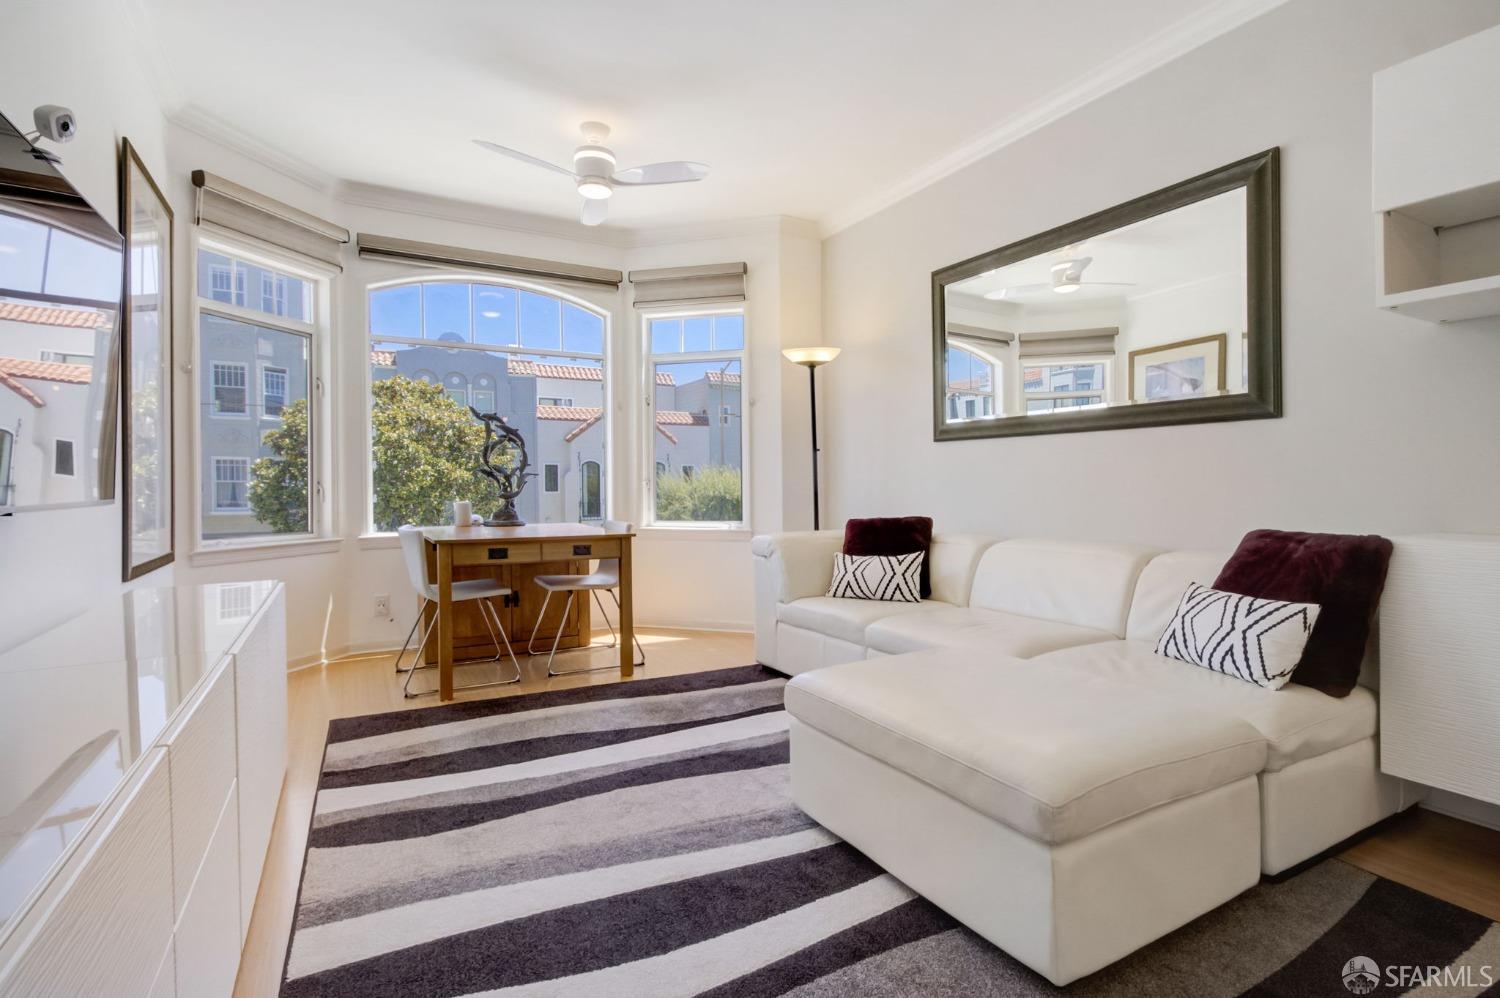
(1442, 856)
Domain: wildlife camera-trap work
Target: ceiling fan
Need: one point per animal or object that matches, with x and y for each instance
(1067, 277)
(594, 170)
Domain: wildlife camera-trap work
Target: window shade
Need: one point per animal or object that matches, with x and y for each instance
(228, 205)
(959, 332)
(705, 285)
(1069, 342)
(372, 247)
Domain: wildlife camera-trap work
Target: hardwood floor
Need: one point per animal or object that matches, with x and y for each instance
(369, 685)
(1442, 856)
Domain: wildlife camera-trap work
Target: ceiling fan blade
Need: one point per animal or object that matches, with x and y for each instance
(593, 212)
(1107, 284)
(677, 172)
(1001, 293)
(523, 157)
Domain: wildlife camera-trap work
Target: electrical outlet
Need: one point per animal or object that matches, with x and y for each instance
(382, 605)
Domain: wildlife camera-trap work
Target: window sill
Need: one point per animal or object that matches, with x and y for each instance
(379, 541)
(232, 554)
(691, 532)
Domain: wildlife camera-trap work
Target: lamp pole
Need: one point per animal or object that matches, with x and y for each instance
(813, 358)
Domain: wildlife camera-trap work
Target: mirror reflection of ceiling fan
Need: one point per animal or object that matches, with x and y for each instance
(1067, 277)
(595, 174)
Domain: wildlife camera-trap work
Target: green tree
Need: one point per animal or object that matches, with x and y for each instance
(278, 485)
(713, 493)
(426, 454)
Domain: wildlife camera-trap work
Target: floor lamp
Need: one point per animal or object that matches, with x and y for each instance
(812, 358)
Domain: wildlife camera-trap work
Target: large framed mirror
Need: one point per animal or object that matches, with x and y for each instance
(1162, 310)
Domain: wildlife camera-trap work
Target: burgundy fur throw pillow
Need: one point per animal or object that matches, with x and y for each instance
(890, 535)
(1344, 574)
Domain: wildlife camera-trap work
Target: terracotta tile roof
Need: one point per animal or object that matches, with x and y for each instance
(674, 417)
(383, 358)
(51, 315)
(665, 433)
(722, 377)
(575, 413)
(566, 372)
(21, 390)
(587, 416)
(46, 370)
(583, 427)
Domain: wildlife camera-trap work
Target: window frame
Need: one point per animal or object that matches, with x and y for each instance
(213, 387)
(551, 472)
(954, 398)
(606, 358)
(265, 370)
(322, 445)
(57, 443)
(218, 460)
(1104, 392)
(583, 494)
(648, 389)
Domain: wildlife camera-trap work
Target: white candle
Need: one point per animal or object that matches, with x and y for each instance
(463, 512)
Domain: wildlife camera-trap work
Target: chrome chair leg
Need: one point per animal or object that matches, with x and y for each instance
(487, 611)
(557, 639)
(407, 643)
(614, 641)
(531, 638)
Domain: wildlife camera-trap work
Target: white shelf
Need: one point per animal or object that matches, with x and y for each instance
(1448, 302)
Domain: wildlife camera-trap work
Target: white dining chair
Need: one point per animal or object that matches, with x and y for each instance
(478, 590)
(605, 578)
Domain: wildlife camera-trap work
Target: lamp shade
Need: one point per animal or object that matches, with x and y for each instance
(810, 356)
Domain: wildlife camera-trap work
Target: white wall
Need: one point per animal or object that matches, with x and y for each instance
(54, 564)
(1390, 422)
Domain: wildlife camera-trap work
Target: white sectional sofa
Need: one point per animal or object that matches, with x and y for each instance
(1014, 750)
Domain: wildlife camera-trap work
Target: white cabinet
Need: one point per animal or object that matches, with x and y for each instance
(1435, 146)
(154, 897)
(1440, 664)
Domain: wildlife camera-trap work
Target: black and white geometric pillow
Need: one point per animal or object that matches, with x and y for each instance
(1257, 640)
(893, 578)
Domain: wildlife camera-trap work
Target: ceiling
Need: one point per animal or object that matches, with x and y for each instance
(818, 110)
(1187, 245)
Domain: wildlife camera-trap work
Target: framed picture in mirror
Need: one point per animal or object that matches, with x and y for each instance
(146, 222)
(1165, 309)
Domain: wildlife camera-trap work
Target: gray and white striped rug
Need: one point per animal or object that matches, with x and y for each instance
(639, 839)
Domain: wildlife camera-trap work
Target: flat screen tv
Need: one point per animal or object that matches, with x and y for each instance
(60, 289)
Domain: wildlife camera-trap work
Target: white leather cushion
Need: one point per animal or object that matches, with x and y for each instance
(1257, 640)
(845, 619)
(987, 631)
(1161, 585)
(1067, 581)
(951, 561)
(1297, 721)
(1051, 758)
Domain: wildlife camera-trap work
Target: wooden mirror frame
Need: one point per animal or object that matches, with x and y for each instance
(1260, 175)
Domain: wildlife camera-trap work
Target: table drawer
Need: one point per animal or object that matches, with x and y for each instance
(583, 547)
(497, 553)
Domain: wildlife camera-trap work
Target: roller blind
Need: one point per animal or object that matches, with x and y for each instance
(704, 285)
(960, 332)
(229, 206)
(373, 247)
(1069, 342)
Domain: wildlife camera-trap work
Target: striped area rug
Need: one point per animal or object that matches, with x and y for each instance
(639, 839)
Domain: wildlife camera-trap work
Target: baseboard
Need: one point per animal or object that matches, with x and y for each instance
(1468, 809)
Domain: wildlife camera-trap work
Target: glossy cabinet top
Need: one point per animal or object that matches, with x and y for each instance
(86, 699)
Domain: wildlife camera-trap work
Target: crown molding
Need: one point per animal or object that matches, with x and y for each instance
(365, 195)
(1156, 51)
(193, 118)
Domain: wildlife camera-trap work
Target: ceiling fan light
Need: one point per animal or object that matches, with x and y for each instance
(594, 152)
(998, 294)
(594, 189)
(1065, 287)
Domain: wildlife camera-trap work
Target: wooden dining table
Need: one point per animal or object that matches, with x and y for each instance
(451, 547)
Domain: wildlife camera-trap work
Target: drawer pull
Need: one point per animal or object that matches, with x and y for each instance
(499, 554)
(583, 549)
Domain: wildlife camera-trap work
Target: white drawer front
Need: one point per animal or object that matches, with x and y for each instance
(200, 750)
(208, 931)
(260, 682)
(104, 926)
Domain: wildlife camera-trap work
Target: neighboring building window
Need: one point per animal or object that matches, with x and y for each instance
(590, 505)
(231, 484)
(696, 373)
(973, 385)
(536, 359)
(229, 389)
(267, 477)
(236, 600)
(62, 357)
(273, 391)
(62, 458)
(1063, 385)
(7, 486)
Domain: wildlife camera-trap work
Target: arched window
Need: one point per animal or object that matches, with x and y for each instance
(590, 501)
(973, 385)
(533, 356)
